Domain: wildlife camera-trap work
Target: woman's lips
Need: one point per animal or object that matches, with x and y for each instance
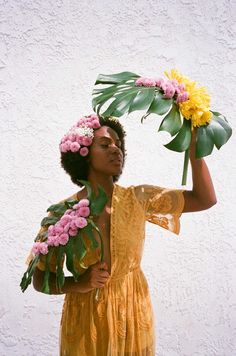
(116, 161)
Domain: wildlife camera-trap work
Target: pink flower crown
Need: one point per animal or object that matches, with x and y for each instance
(80, 136)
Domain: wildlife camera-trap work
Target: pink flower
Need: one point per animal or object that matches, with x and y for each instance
(89, 124)
(95, 124)
(66, 227)
(174, 83)
(84, 151)
(87, 141)
(94, 117)
(159, 82)
(148, 82)
(35, 248)
(81, 121)
(58, 229)
(84, 211)
(66, 217)
(76, 206)
(182, 97)
(43, 248)
(67, 144)
(73, 225)
(63, 147)
(51, 229)
(139, 82)
(83, 202)
(81, 222)
(74, 147)
(181, 87)
(72, 137)
(63, 239)
(56, 241)
(40, 247)
(51, 240)
(73, 232)
(169, 91)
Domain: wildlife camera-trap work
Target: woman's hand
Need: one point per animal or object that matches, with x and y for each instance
(96, 276)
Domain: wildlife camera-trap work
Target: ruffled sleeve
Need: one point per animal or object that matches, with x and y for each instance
(162, 206)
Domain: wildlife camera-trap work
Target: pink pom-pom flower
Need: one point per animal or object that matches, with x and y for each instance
(83, 202)
(84, 151)
(74, 147)
(84, 211)
(81, 222)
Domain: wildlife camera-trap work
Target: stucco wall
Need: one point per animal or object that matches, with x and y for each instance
(50, 55)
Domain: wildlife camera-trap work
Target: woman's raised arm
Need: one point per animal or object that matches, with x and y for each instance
(202, 196)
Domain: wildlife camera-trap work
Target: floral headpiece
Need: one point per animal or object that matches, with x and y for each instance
(80, 136)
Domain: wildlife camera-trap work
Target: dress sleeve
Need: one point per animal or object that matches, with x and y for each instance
(162, 206)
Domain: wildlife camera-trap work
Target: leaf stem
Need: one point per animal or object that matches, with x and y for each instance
(185, 169)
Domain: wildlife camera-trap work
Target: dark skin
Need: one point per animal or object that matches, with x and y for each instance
(106, 161)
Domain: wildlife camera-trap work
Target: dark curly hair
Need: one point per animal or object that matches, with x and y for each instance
(77, 166)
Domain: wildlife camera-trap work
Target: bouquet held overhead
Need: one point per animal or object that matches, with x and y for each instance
(185, 104)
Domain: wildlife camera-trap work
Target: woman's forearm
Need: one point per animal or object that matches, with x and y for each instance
(70, 285)
(203, 188)
(202, 196)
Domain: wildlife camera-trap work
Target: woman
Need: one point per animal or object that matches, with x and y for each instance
(120, 322)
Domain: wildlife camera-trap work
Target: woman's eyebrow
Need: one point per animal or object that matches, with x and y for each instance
(107, 138)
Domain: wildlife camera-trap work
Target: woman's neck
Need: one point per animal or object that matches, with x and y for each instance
(105, 182)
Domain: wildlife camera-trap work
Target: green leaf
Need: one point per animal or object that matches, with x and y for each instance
(49, 220)
(27, 277)
(205, 142)
(142, 100)
(57, 208)
(159, 105)
(46, 286)
(172, 121)
(115, 78)
(182, 140)
(98, 203)
(88, 188)
(70, 259)
(70, 203)
(60, 277)
(79, 247)
(88, 230)
(121, 104)
(221, 130)
(105, 95)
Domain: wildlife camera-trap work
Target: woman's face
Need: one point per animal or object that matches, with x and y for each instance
(106, 156)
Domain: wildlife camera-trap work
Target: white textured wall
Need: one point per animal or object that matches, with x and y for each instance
(50, 55)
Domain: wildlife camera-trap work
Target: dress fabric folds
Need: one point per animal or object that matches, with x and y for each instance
(120, 322)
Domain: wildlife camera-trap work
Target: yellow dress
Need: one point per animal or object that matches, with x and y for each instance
(120, 323)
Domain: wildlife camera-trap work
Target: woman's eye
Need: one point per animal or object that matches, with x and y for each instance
(104, 145)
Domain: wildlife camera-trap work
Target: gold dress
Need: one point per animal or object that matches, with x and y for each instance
(120, 323)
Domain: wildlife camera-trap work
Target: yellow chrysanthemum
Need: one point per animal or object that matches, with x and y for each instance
(197, 107)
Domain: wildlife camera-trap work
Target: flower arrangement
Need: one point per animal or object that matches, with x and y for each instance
(80, 136)
(63, 236)
(185, 104)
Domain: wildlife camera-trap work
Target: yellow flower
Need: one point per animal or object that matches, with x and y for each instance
(197, 107)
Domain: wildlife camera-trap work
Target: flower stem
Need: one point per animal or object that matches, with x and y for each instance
(185, 169)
